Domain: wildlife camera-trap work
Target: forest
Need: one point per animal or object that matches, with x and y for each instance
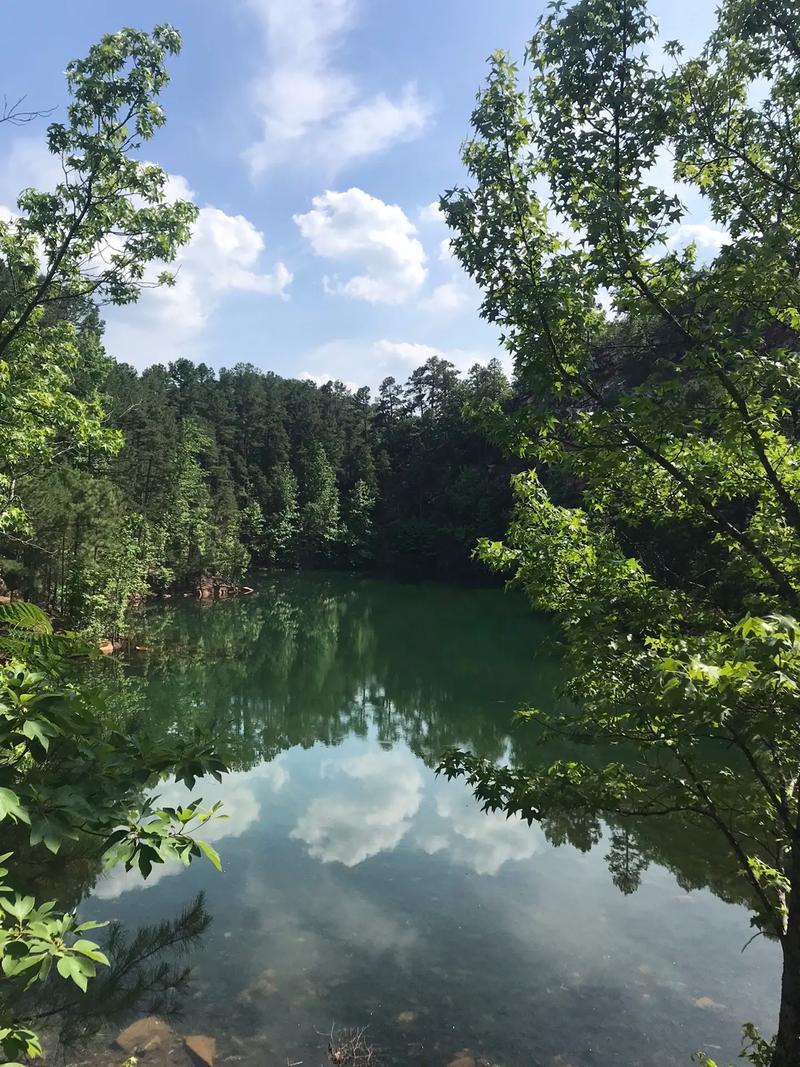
(210, 475)
(638, 480)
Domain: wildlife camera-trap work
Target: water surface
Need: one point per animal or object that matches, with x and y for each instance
(360, 889)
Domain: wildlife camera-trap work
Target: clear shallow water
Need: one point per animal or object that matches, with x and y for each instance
(360, 889)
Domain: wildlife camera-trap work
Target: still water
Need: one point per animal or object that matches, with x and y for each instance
(361, 890)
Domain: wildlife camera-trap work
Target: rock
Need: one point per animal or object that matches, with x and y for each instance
(463, 1059)
(707, 1003)
(264, 985)
(201, 1048)
(145, 1035)
(106, 647)
(406, 1016)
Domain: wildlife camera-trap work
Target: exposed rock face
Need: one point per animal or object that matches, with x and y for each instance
(145, 1035)
(205, 588)
(216, 588)
(202, 1049)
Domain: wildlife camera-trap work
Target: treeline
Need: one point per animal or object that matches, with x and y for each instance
(216, 472)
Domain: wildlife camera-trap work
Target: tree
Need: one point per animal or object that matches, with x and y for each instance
(283, 524)
(189, 525)
(94, 235)
(67, 770)
(673, 419)
(69, 773)
(319, 512)
(358, 530)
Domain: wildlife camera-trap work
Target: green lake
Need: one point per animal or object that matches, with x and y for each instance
(359, 889)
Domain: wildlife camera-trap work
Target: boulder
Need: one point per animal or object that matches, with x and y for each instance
(463, 1059)
(201, 1048)
(106, 647)
(707, 1003)
(145, 1035)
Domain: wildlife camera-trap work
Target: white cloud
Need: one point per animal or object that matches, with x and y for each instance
(446, 254)
(370, 812)
(241, 805)
(309, 106)
(378, 239)
(222, 257)
(26, 163)
(355, 359)
(484, 841)
(414, 354)
(410, 351)
(431, 213)
(323, 378)
(450, 296)
(708, 238)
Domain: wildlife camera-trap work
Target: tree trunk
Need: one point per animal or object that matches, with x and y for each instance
(787, 1042)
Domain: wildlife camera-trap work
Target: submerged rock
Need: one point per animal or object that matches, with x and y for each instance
(145, 1035)
(706, 1003)
(463, 1059)
(201, 1048)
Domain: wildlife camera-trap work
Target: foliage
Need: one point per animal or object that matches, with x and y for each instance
(319, 510)
(69, 774)
(660, 520)
(217, 471)
(94, 235)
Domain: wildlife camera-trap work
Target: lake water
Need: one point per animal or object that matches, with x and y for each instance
(361, 890)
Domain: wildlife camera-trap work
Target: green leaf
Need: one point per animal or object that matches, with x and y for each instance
(11, 807)
(210, 853)
(25, 616)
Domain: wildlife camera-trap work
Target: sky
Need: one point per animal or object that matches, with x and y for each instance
(315, 137)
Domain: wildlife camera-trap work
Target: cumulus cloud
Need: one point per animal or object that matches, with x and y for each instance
(414, 354)
(356, 360)
(323, 378)
(370, 812)
(222, 257)
(446, 254)
(239, 795)
(431, 213)
(307, 105)
(26, 163)
(484, 841)
(706, 237)
(450, 296)
(377, 239)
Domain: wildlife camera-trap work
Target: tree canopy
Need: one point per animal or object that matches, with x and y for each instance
(659, 518)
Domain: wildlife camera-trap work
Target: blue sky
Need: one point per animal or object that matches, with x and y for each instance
(314, 135)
